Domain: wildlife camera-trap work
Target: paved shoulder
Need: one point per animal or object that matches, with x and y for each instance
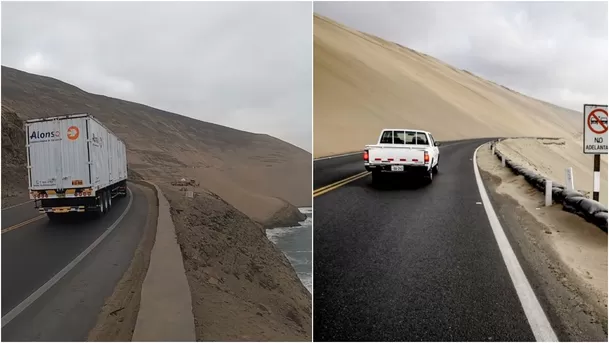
(166, 307)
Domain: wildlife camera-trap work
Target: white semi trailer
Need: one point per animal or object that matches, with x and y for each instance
(75, 164)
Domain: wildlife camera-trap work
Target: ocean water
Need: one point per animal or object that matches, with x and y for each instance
(296, 242)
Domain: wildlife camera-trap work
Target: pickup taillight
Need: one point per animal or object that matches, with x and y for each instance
(426, 157)
(366, 155)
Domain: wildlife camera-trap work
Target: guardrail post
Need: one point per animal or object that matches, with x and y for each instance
(569, 179)
(548, 193)
(596, 185)
(503, 161)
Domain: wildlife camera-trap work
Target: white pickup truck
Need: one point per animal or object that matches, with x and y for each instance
(411, 152)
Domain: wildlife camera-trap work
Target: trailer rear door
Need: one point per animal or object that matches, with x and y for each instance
(58, 154)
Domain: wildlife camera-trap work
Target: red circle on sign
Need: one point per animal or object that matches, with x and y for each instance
(603, 125)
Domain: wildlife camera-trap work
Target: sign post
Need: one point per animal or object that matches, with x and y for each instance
(596, 139)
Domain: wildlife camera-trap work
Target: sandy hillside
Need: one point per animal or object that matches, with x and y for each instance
(363, 84)
(256, 173)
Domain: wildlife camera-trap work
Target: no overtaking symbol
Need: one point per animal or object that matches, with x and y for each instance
(593, 116)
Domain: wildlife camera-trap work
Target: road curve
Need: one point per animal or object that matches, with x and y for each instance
(34, 253)
(410, 262)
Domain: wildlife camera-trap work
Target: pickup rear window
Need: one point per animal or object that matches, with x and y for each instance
(403, 137)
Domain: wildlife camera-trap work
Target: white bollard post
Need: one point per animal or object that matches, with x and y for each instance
(569, 179)
(548, 193)
(493, 149)
(503, 161)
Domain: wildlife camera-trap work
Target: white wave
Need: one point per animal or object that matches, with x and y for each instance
(274, 234)
(297, 261)
(307, 281)
(306, 210)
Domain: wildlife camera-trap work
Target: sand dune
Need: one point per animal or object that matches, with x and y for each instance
(363, 83)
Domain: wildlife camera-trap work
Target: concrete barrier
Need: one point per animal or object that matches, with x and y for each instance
(165, 312)
(572, 201)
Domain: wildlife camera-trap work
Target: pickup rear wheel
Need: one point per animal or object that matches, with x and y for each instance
(376, 178)
(429, 176)
(436, 168)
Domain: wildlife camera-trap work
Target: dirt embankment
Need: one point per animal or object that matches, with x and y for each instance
(14, 171)
(243, 288)
(363, 84)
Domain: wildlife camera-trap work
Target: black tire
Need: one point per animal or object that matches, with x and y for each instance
(53, 217)
(123, 192)
(109, 197)
(377, 178)
(102, 202)
(429, 176)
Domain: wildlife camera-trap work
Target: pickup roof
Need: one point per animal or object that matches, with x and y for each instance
(403, 151)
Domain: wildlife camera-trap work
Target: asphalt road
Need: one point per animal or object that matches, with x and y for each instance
(410, 262)
(15, 215)
(36, 252)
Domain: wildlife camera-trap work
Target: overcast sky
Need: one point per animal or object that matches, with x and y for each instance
(243, 65)
(549, 50)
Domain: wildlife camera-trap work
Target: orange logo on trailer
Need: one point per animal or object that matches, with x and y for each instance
(73, 133)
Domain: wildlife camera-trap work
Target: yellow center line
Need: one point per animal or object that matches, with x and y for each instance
(340, 181)
(335, 185)
(16, 226)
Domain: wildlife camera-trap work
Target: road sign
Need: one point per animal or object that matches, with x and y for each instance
(595, 129)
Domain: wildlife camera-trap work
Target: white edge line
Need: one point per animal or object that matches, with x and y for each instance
(40, 291)
(542, 330)
(23, 203)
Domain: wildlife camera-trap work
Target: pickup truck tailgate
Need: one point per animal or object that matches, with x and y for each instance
(392, 154)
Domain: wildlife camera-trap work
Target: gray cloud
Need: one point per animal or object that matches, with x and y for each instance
(554, 51)
(241, 64)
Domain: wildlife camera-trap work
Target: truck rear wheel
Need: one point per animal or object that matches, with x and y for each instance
(52, 216)
(124, 189)
(101, 202)
(109, 197)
